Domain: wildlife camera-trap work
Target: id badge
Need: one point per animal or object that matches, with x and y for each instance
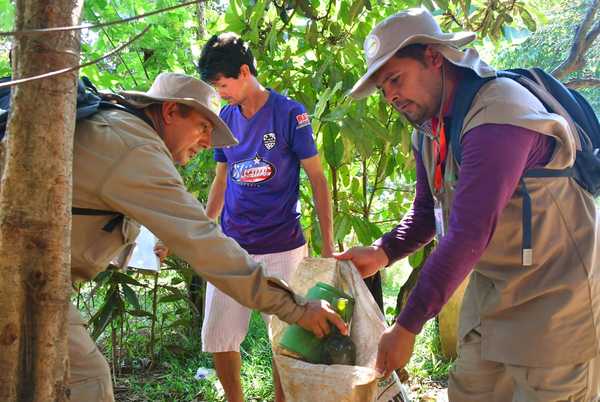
(440, 228)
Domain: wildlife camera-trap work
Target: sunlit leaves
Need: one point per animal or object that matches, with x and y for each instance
(312, 51)
(527, 18)
(333, 146)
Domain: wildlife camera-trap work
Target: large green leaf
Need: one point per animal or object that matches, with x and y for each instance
(131, 296)
(173, 297)
(362, 230)
(527, 19)
(333, 146)
(120, 277)
(103, 277)
(355, 132)
(416, 259)
(323, 100)
(341, 227)
(111, 307)
(355, 9)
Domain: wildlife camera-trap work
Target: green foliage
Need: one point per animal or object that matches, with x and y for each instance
(427, 360)
(119, 295)
(550, 45)
(311, 51)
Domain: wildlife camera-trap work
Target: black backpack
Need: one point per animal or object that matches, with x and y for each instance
(89, 101)
(586, 170)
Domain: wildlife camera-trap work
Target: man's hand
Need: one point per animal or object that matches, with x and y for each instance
(318, 315)
(395, 349)
(368, 260)
(161, 251)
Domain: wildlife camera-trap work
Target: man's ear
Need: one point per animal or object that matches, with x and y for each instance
(168, 110)
(244, 71)
(433, 57)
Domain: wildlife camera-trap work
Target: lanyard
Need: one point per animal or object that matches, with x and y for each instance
(440, 151)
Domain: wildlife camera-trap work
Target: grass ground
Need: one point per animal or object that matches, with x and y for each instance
(172, 379)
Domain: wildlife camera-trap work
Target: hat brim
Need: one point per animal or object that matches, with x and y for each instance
(365, 85)
(222, 135)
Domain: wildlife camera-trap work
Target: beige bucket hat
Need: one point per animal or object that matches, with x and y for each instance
(187, 90)
(409, 27)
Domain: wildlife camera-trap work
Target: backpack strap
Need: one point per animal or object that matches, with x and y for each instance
(527, 251)
(110, 226)
(467, 88)
(590, 121)
(421, 140)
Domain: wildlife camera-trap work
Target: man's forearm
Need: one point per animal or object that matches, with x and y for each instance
(216, 195)
(323, 206)
(417, 227)
(214, 205)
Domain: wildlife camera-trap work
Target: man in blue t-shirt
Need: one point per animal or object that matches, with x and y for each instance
(256, 192)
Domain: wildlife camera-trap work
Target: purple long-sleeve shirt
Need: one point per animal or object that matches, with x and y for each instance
(494, 157)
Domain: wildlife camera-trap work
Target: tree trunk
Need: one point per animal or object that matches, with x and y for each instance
(200, 15)
(585, 34)
(35, 203)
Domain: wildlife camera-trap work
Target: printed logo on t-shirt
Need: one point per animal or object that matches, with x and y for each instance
(303, 120)
(252, 171)
(269, 140)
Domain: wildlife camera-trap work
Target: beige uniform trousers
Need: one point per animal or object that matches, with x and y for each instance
(475, 380)
(89, 379)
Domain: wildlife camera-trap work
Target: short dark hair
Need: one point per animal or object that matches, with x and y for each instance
(415, 52)
(224, 55)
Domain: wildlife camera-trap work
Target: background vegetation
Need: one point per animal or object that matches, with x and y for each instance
(149, 325)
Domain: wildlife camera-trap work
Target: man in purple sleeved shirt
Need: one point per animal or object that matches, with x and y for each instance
(487, 150)
(518, 317)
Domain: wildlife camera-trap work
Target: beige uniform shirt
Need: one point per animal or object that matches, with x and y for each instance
(121, 164)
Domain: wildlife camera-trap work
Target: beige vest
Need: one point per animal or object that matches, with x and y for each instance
(546, 313)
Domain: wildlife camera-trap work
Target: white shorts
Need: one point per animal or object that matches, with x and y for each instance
(225, 320)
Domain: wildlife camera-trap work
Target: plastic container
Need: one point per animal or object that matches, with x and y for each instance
(302, 342)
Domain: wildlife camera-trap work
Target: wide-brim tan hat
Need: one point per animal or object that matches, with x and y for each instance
(187, 90)
(409, 27)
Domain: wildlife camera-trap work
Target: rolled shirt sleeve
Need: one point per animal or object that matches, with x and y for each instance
(156, 197)
(417, 227)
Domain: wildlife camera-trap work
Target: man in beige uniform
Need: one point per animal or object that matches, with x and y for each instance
(530, 322)
(124, 172)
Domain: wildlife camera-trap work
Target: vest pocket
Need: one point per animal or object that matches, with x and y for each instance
(108, 245)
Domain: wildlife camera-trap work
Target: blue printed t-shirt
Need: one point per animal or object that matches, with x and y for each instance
(261, 209)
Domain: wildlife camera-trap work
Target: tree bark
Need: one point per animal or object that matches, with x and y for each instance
(200, 12)
(579, 83)
(585, 34)
(35, 203)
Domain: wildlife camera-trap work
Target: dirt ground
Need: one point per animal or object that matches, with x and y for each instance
(428, 391)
